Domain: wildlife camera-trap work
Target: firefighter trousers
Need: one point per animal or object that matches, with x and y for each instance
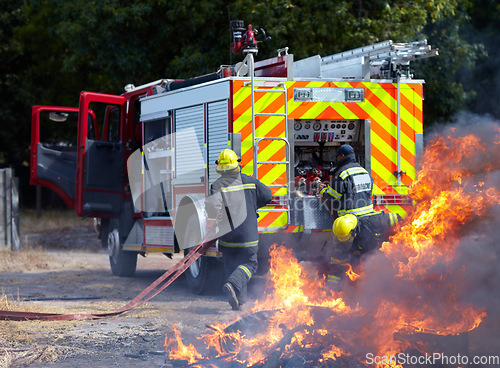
(240, 264)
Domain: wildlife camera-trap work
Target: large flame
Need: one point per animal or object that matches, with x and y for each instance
(413, 285)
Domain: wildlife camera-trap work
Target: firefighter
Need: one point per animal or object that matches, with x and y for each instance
(351, 189)
(368, 231)
(235, 198)
(358, 235)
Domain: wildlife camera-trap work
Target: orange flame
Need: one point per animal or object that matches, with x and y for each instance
(222, 342)
(420, 261)
(177, 349)
(294, 290)
(445, 203)
(353, 276)
(449, 195)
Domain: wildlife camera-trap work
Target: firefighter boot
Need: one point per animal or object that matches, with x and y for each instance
(242, 296)
(232, 299)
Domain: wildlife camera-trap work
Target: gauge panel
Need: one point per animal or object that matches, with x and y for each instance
(326, 130)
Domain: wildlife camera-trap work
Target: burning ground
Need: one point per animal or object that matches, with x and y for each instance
(432, 283)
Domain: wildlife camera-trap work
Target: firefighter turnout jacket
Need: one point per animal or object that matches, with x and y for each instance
(372, 230)
(235, 198)
(350, 189)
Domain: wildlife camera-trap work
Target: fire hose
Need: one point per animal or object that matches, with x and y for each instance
(150, 292)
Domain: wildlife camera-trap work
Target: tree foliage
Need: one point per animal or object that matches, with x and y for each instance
(50, 50)
(445, 94)
(484, 78)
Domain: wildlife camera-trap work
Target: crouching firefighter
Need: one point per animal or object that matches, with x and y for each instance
(234, 199)
(358, 235)
(367, 232)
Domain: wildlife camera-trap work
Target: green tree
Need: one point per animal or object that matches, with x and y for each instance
(53, 49)
(12, 144)
(326, 27)
(117, 42)
(445, 95)
(484, 77)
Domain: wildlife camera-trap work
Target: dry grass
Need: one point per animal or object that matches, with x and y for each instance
(29, 259)
(26, 342)
(35, 259)
(20, 341)
(22, 357)
(32, 256)
(50, 220)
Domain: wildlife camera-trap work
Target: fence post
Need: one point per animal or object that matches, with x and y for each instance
(16, 241)
(9, 211)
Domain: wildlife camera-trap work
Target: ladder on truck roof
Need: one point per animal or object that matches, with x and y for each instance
(364, 62)
(269, 87)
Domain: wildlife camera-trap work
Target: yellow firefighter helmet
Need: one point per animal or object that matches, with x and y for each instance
(343, 226)
(228, 161)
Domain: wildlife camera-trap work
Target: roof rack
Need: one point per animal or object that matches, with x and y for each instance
(376, 61)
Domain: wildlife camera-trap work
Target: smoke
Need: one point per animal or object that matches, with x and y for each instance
(478, 248)
(443, 289)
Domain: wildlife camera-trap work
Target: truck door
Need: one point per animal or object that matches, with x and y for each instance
(100, 177)
(53, 150)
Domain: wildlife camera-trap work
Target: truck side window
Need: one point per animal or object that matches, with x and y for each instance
(114, 124)
(58, 131)
(158, 170)
(104, 122)
(91, 130)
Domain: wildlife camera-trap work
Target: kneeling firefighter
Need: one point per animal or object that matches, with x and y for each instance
(368, 231)
(235, 198)
(365, 234)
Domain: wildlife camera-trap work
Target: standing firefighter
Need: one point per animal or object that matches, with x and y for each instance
(235, 198)
(351, 189)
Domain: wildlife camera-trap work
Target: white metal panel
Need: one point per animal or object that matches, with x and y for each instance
(189, 144)
(159, 235)
(309, 67)
(157, 106)
(217, 135)
(135, 237)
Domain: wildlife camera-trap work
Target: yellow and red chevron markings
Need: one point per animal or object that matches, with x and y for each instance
(379, 107)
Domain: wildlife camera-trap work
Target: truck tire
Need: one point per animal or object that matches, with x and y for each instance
(102, 228)
(205, 275)
(122, 263)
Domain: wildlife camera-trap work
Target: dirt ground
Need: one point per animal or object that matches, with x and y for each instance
(67, 271)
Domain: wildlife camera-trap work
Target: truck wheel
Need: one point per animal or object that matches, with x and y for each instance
(122, 263)
(205, 275)
(103, 230)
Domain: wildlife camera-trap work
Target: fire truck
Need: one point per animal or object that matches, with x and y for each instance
(284, 118)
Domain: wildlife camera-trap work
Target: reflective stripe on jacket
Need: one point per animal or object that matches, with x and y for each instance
(237, 196)
(351, 188)
(373, 229)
